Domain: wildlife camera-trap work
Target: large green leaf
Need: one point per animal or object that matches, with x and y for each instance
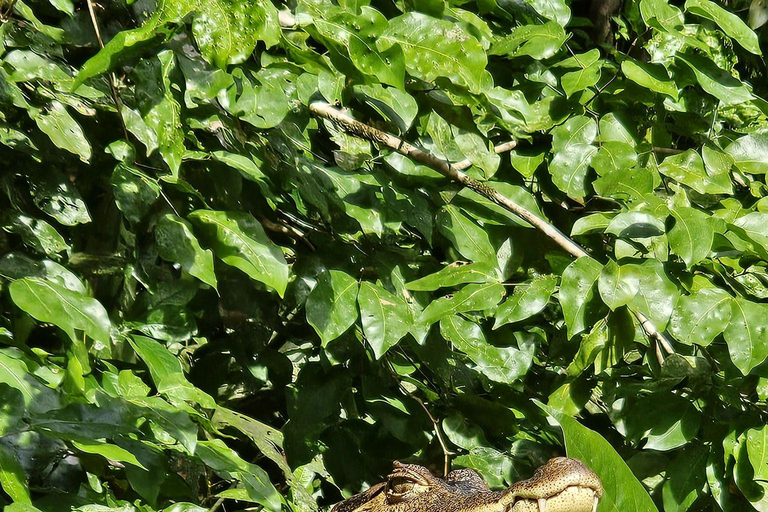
(64, 131)
(12, 477)
(472, 297)
(71, 311)
(527, 300)
(499, 364)
(698, 318)
(720, 84)
(159, 106)
(177, 243)
(650, 76)
(688, 168)
(750, 153)
(332, 304)
(621, 489)
(692, 235)
(239, 240)
(579, 296)
(166, 372)
(436, 48)
(227, 31)
(386, 317)
(728, 22)
(537, 41)
(747, 334)
(468, 238)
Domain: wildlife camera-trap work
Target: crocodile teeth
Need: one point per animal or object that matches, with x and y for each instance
(594, 507)
(543, 505)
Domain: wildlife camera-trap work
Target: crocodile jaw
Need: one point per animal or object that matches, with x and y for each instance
(571, 499)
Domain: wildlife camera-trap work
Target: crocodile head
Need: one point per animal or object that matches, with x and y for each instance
(561, 485)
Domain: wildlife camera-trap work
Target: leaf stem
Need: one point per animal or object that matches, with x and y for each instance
(112, 77)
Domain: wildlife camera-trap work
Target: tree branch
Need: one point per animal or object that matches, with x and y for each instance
(450, 171)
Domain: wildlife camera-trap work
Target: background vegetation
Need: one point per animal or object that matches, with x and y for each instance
(212, 297)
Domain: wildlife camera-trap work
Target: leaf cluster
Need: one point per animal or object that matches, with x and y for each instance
(211, 297)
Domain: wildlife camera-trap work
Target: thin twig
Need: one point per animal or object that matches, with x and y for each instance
(501, 148)
(112, 77)
(436, 425)
(367, 132)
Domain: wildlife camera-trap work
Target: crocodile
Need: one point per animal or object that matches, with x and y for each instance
(561, 485)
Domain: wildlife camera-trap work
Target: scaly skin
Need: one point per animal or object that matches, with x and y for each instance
(561, 485)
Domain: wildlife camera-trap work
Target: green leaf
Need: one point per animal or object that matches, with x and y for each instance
(398, 107)
(688, 168)
(499, 364)
(537, 41)
(59, 199)
(747, 334)
(699, 317)
(239, 240)
(644, 287)
(480, 206)
(166, 372)
(692, 235)
(621, 489)
(750, 153)
(109, 451)
(12, 409)
(357, 36)
(36, 233)
(720, 84)
(527, 300)
(134, 191)
(436, 48)
(160, 109)
(177, 244)
(753, 227)
(686, 477)
(64, 131)
(572, 145)
(614, 156)
(453, 275)
(50, 302)
(579, 296)
(635, 225)
(332, 304)
(468, 238)
(227, 31)
(651, 76)
(580, 80)
(386, 318)
(12, 477)
(16, 373)
(473, 297)
(728, 22)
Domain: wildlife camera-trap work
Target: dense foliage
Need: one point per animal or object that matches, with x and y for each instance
(212, 297)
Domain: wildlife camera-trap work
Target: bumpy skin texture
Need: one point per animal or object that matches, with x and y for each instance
(561, 485)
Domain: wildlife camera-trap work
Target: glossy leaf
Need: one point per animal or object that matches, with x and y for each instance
(71, 311)
(332, 304)
(579, 296)
(499, 364)
(239, 240)
(621, 490)
(698, 318)
(527, 300)
(177, 243)
(386, 317)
